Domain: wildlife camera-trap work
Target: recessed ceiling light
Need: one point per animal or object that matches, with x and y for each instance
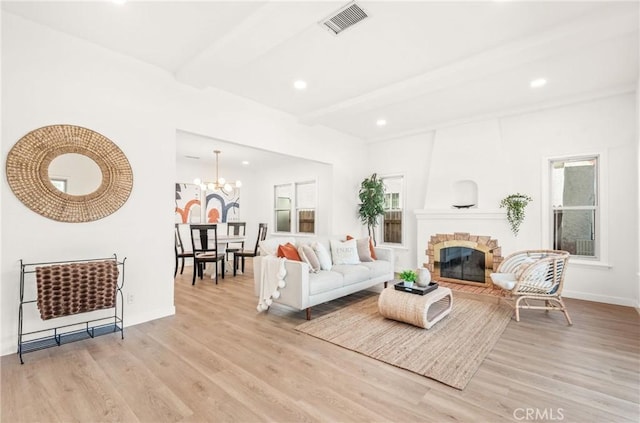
(537, 83)
(300, 84)
(381, 122)
(245, 162)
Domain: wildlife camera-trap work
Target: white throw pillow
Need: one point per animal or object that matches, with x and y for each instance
(364, 253)
(269, 247)
(323, 256)
(523, 266)
(344, 252)
(309, 256)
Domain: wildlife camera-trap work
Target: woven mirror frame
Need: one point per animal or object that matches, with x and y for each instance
(27, 170)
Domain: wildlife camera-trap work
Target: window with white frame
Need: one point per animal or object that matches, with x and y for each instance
(392, 220)
(295, 207)
(575, 205)
(306, 207)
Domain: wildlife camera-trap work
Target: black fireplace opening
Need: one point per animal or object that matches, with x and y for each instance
(466, 264)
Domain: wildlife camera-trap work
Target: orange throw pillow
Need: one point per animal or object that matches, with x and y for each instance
(289, 252)
(371, 250)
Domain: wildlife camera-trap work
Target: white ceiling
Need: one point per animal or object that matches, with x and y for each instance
(418, 64)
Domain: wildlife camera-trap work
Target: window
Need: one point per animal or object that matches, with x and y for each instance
(306, 206)
(575, 205)
(393, 210)
(284, 195)
(295, 207)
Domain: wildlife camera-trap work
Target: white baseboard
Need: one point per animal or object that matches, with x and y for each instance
(137, 318)
(599, 298)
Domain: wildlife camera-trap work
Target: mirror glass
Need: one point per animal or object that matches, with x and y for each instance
(75, 174)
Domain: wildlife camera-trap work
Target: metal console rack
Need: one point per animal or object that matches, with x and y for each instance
(55, 336)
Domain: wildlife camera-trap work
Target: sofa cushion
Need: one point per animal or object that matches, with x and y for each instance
(289, 252)
(323, 255)
(352, 273)
(344, 252)
(365, 248)
(269, 247)
(523, 266)
(377, 268)
(310, 257)
(324, 281)
(504, 280)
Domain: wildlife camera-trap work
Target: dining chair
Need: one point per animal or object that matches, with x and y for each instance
(180, 252)
(235, 229)
(204, 240)
(243, 254)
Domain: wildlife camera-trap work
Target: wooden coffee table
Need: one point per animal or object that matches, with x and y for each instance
(419, 310)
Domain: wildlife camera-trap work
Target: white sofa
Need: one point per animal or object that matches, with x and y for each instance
(304, 289)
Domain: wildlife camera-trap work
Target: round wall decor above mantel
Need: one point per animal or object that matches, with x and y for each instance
(27, 173)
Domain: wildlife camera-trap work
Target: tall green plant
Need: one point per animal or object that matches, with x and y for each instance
(515, 205)
(371, 203)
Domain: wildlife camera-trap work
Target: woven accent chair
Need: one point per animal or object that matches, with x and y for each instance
(239, 256)
(534, 275)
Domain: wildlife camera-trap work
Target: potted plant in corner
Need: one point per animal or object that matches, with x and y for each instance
(371, 196)
(515, 205)
(408, 277)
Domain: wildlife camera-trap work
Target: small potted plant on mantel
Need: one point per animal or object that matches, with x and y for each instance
(408, 277)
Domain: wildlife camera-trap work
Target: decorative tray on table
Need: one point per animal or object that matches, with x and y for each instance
(418, 290)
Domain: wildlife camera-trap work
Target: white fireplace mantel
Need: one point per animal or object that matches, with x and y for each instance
(456, 214)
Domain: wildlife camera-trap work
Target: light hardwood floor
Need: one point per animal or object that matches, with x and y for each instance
(219, 360)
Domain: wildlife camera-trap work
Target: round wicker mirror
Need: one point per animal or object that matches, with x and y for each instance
(27, 173)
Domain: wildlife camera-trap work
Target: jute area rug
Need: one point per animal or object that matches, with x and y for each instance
(449, 352)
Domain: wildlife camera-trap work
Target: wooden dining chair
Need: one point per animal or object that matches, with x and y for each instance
(235, 229)
(180, 252)
(243, 254)
(204, 240)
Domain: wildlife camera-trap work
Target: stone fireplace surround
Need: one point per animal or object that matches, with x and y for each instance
(484, 244)
(483, 221)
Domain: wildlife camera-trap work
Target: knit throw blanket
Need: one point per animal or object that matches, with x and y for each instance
(76, 288)
(272, 275)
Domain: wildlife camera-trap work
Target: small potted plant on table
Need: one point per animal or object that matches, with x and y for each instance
(408, 277)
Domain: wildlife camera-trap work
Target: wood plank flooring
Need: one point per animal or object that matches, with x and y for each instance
(218, 360)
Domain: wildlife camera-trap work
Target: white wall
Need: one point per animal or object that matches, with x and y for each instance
(51, 78)
(637, 113)
(411, 158)
(506, 155)
(606, 126)
(218, 114)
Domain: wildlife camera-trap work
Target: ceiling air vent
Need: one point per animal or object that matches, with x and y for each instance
(344, 18)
